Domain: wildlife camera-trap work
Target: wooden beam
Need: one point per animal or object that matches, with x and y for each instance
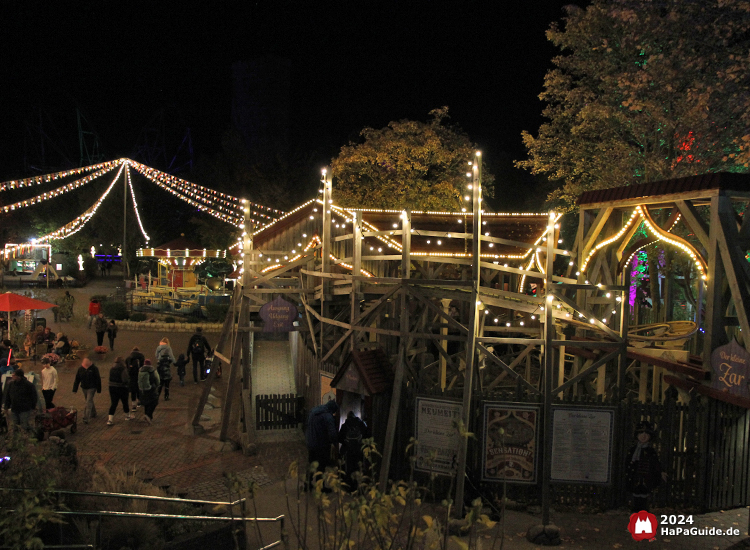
(694, 221)
(510, 367)
(594, 230)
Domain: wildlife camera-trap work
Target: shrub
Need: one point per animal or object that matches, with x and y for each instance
(101, 298)
(115, 310)
(169, 319)
(138, 317)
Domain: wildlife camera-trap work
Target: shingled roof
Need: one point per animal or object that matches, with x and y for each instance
(703, 182)
(368, 370)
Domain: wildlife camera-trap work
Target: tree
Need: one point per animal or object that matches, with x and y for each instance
(407, 165)
(644, 90)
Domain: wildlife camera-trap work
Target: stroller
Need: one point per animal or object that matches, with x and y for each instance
(54, 419)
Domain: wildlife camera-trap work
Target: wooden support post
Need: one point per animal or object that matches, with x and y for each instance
(398, 380)
(715, 334)
(549, 369)
(476, 247)
(356, 272)
(240, 348)
(444, 345)
(325, 264)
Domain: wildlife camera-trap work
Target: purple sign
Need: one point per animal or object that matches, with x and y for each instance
(278, 315)
(731, 365)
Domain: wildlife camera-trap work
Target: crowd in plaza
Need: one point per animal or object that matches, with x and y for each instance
(135, 381)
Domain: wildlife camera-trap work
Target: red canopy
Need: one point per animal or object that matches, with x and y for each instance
(10, 301)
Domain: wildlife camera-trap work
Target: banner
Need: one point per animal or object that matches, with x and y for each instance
(437, 437)
(509, 449)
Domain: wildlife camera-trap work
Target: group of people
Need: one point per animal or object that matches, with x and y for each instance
(101, 324)
(135, 381)
(56, 343)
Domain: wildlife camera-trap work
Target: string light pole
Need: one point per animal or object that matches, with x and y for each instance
(473, 326)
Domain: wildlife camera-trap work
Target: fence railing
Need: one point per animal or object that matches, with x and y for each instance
(274, 412)
(173, 517)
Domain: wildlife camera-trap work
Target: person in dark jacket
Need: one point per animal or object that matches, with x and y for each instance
(197, 346)
(112, 333)
(351, 434)
(134, 362)
(321, 436)
(180, 364)
(118, 390)
(91, 383)
(21, 399)
(148, 384)
(643, 472)
(100, 327)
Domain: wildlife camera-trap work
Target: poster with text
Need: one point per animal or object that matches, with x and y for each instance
(582, 444)
(327, 393)
(510, 443)
(437, 438)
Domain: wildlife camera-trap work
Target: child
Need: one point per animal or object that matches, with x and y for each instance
(643, 472)
(180, 364)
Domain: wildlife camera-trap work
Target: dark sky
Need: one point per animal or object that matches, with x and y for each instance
(353, 64)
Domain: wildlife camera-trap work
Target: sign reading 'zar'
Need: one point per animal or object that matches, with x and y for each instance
(731, 365)
(279, 315)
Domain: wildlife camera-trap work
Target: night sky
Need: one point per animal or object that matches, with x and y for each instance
(353, 64)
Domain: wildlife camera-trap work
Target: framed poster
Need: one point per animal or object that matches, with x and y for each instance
(437, 438)
(582, 444)
(327, 393)
(509, 442)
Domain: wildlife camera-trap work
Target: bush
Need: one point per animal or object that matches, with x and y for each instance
(90, 266)
(169, 319)
(101, 298)
(115, 310)
(138, 317)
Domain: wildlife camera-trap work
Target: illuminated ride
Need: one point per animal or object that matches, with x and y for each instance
(176, 287)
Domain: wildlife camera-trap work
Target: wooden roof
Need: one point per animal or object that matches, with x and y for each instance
(704, 182)
(372, 368)
(525, 229)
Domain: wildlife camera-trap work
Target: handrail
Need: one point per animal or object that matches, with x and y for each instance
(166, 516)
(135, 497)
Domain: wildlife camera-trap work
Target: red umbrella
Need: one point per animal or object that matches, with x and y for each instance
(10, 301)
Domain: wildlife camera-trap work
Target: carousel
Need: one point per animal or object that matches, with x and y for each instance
(176, 278)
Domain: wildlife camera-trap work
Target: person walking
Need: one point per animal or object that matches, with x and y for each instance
(148, 384)
(196, 348)
(94, 309)
(119, 384)
(21, 399)
(164, 360)
(180, 364)
(321, 437)
(112, 333)
(91, 383)
(100, 327)
(49, 383)
(352, 431)
(66, 309)
(134, 362)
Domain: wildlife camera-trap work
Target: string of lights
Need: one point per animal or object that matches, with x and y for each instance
(59, 191)
(135, 206)
(78, 223)
(210, 199)
(39, 180)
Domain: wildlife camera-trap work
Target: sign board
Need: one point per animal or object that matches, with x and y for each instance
(438, 441)
(582, 444)
(279, 315)
(509, 443)
(327, 393)
(731, 366)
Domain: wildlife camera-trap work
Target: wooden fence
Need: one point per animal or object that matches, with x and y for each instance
(703, 445)
(273, 412)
